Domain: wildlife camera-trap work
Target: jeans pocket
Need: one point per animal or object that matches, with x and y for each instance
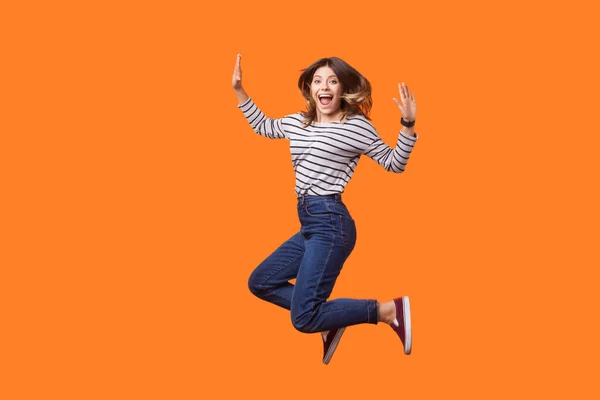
(317, 210)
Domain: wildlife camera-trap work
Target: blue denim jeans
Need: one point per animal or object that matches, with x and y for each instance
(314, 257)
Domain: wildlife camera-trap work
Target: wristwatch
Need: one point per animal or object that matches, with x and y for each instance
(406, 123)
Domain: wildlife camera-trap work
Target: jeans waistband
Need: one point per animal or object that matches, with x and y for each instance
(331, 197)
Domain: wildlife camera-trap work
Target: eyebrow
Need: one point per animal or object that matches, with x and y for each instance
(319, 76)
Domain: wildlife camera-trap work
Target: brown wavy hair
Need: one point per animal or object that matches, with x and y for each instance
(356, 89)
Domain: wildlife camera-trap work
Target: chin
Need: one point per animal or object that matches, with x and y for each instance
(329, 111)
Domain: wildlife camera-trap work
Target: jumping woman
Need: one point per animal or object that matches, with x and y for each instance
(326, 142)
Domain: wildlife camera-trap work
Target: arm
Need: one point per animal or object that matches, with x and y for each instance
(395, 160)
(267, 127)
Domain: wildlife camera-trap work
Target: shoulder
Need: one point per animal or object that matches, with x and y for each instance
(295, 119)
(361, 124)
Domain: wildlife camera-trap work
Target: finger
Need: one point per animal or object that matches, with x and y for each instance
(237, 62)
(401, 91)
(413, 97)
(399, 102)
(400, 106)
(406, 91)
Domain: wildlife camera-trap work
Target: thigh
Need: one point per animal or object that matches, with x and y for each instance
(321, 264)
(282, 265)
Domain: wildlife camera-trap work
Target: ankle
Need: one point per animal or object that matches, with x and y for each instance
(387, 312)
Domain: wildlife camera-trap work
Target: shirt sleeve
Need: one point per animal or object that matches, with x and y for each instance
(268, 127)
(393, 160)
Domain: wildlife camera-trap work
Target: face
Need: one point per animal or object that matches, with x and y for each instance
(326, 91)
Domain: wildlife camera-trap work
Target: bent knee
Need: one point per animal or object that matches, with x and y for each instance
(303, 322)
(255, 286)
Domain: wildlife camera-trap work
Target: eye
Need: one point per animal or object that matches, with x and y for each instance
(333, 81)
(317, 81)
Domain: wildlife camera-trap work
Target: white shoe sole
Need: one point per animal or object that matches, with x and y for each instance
(333, 346)
(407, 325)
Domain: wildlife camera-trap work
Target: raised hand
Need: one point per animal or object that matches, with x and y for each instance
(237, 74)
(236, 82)
(407, 103)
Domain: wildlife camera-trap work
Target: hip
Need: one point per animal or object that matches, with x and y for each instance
(327, 218)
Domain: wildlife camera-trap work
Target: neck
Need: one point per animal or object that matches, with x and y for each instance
(337, 117)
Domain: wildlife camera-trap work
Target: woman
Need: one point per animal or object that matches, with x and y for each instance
(326, 142)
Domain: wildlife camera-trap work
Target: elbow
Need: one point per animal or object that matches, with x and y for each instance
(398, 167)
(395, 169)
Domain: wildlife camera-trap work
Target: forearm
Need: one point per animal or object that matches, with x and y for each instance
(408, 131)
(267, 127)
(242, 96)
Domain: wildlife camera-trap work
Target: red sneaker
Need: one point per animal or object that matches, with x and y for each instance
(330, 343)
(401, 324)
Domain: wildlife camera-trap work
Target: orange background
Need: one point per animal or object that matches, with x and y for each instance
(137, 200)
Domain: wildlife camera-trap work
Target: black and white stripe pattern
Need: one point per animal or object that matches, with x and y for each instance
(325, 154)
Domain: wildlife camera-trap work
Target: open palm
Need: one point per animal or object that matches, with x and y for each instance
(407, 103)
(237, 74)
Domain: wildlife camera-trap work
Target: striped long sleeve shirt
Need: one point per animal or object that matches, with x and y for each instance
(325, 154)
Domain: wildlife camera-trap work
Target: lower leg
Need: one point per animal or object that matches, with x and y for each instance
(386, 312)
(310, 315)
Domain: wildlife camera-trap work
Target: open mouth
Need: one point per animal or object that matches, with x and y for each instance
(325, 99)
